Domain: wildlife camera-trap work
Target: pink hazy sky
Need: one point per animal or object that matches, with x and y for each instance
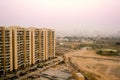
(69, 16)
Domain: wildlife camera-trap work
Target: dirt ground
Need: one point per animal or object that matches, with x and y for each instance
(95, 66)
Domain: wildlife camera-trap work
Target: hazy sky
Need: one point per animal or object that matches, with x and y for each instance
(66, 16)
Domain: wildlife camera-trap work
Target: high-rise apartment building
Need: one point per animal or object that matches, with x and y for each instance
(27, 46)
(6, 56)
(47, 40)
(34, 45)
(51, 42)
(43, 45)
(21, 47)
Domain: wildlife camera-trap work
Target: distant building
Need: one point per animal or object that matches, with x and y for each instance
(6, 56)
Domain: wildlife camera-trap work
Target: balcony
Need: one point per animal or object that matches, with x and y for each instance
(7, 56)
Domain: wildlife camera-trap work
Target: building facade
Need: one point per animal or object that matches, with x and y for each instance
(50, 43)
(27, 46)
(47, 40)
(43, 45)
(34, 45)
(6, 56)
(21, 47)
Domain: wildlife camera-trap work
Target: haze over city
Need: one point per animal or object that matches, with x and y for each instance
(67, 17)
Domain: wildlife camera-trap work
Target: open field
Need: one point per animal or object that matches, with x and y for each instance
(93, 66)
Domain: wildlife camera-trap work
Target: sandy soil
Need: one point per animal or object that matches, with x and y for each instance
(95, 66)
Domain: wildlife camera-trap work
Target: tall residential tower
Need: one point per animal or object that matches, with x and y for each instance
(21, 47)
(6, 54)
(47, 39)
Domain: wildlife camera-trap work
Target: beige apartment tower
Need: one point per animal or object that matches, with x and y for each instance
(43, 50)
(50, 43)
(21, 47)
(27, 46)
(47, 40)
(34, 45)
(42, 44)
(6, 56)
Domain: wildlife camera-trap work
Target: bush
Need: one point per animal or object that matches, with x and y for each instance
(108, 53)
